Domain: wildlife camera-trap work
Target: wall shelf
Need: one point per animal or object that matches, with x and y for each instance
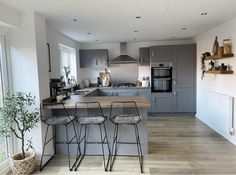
(216, 57)
(219, 72)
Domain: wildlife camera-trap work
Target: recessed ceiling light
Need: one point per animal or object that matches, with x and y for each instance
(135, 31)
(203, 14)
(135, 38)
(89, 33)
(74, 20)
(184, 28)
(138, 17)
(96, 40)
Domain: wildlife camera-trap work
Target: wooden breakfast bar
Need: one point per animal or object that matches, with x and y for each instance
(105, 101)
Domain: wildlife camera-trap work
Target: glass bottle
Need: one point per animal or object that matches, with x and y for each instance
(215, 46)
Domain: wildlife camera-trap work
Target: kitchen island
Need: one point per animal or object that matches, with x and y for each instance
(142, 103)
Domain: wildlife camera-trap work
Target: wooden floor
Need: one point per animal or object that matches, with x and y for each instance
(177, 145)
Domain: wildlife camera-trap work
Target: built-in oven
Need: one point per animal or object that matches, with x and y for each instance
(161, 77)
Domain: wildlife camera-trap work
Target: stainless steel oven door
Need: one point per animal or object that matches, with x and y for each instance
(161, 85)
(161, 72)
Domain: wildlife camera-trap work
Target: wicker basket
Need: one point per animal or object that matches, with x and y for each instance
(25, 166)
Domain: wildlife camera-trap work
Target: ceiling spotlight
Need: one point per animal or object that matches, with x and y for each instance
(184, 28)
(96, 40)
(135, 31)
(89, 33)
(135, 38)
(138, 17)
(203, 14)
(74, 20)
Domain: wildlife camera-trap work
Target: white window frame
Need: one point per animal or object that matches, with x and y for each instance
(5, 63)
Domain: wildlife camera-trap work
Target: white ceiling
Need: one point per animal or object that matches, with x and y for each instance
(114, 20)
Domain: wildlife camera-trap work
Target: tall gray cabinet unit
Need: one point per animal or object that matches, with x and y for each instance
(182, 97)
(184, 82)
(93, 58)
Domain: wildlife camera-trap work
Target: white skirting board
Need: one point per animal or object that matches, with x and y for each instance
(220, 115)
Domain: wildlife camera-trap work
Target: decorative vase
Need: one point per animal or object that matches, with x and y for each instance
(215, 46)
(23, 166)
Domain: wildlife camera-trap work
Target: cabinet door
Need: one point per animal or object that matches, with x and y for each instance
(184, 65)
(144, 56)
(125, 92)
(103, 58)
(161, 54)
(82, 57)
(183, 100)
(147, 94)
(161, 102)
(92, 58)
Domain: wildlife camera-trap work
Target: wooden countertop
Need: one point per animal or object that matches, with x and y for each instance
(105, 101)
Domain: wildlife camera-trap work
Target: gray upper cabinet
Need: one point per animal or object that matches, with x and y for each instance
(93, 58)
(161, 53)
(184, 58)
(144, 56)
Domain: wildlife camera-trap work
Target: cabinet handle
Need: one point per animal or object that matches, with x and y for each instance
(174, 93)
(96, 62)
(153, 98)
(152, 54)
(174, 82)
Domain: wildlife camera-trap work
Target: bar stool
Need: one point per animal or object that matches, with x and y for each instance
(125, 113)
(63, 120)
(90, 113)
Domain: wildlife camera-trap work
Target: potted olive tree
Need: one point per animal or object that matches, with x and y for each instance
(18, 115)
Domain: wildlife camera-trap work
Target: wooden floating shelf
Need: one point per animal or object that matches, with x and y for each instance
(216, 57)
(219, 72)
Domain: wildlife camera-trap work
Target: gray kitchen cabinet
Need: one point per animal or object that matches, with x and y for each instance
(184, 59)
(161, 102)
(162, 53)
(146, 93)
(144, 56)
(125, 92)
(93, 58)
(184, 100)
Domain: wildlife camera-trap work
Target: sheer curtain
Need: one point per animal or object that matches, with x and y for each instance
(68, 59)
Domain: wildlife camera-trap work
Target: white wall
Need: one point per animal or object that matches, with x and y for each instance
(125, 73)
(29, 65)
(223, 84)
(54, 38)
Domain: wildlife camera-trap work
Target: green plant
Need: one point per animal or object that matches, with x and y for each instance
(18, 115)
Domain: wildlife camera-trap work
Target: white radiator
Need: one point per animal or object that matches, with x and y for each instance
(221, 112)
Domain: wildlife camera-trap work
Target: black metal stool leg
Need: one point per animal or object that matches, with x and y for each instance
(108, 147)
(44, 144)
(68, 147)
(139, 148)
(85, 140)
(114, 146)
(102, 141)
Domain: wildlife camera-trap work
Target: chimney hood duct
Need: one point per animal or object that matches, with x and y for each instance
(123, 58)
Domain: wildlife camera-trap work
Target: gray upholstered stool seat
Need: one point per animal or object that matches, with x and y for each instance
(126, 119)
(91, 120)
(59, 120)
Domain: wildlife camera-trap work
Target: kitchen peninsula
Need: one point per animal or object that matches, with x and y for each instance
(95, 94)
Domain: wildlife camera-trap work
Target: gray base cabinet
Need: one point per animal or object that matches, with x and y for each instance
(161, 102)
(183, 100)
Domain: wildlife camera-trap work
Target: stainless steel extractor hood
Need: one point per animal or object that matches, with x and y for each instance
(123, 58)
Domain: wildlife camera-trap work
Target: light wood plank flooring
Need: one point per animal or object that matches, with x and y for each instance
(177, 145)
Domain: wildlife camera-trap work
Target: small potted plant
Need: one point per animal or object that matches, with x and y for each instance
(18, 115)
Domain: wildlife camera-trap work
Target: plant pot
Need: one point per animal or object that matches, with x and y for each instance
(23, 166)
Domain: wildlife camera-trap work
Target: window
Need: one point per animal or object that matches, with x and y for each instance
(68, 59)
(3, 84)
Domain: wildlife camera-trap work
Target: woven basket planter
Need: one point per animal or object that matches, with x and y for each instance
(25, 166)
